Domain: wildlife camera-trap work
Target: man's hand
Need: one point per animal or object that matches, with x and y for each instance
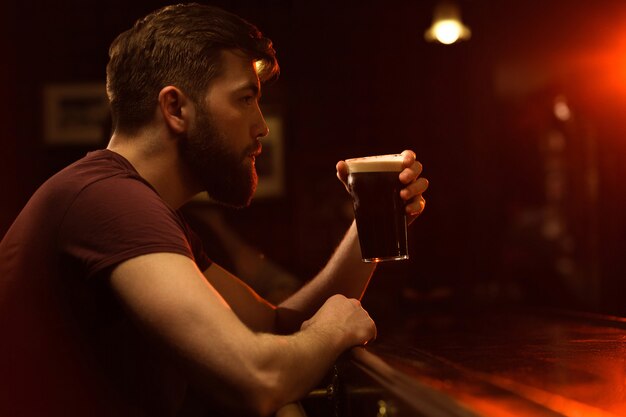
(346, 316)
(410, 176)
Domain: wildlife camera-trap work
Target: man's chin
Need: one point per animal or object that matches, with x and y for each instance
(237, 194)
(238, 203)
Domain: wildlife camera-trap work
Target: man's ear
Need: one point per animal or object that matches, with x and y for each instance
(176, 108)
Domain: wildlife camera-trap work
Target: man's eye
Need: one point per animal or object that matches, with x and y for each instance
(248, 99)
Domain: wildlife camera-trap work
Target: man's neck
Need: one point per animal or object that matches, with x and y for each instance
(156, 159)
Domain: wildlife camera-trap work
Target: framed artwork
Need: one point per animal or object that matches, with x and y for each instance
(270, 165)
(75, 114)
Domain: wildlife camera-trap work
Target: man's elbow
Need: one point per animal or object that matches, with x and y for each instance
(261, 394)
(268, 394)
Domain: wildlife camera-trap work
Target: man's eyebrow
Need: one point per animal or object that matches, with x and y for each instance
(254, 87)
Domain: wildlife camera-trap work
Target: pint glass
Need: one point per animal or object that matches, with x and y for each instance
(378, 209)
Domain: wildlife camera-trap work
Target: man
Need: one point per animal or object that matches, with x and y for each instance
(108, 306)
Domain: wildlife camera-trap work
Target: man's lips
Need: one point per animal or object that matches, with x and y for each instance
(256, 151)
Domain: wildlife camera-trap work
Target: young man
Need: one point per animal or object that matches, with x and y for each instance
(108, 306)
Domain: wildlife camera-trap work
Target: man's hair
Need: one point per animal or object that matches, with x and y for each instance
(177, 45)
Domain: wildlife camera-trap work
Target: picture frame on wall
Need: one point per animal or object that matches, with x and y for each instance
(75, 114)
(270, 165)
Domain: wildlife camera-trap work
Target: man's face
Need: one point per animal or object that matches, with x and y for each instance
(221, 147)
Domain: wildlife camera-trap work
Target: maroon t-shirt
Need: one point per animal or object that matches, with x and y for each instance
(66, 345)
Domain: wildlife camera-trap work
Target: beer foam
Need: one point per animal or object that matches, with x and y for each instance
(378, 163)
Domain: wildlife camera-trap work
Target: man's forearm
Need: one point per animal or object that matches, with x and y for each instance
(345, 273)
(281, 369)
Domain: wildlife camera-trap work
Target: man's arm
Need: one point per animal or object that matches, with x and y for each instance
(241, 369)
(345, 273)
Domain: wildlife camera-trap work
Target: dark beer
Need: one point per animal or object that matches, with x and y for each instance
(378, 208)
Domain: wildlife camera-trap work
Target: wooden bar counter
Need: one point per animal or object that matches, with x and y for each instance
(492, 363)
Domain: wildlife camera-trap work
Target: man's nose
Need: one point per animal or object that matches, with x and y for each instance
(264, 131)
(262, 128)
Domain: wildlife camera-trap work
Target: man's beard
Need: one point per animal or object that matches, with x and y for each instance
(221, 172)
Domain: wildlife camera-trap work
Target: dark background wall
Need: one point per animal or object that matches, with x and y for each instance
(358, 78)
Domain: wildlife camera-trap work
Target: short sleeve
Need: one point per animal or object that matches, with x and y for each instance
(199, 254)
(118, 218)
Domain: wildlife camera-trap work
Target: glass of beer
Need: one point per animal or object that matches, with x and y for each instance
(378, 209)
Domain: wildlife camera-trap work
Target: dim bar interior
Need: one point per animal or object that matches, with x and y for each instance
(511, 302)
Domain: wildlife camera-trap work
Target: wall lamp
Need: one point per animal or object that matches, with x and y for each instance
(447, 27)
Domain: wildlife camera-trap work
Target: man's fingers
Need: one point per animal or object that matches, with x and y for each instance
(416, 207)
(414, 189)
(342, 171)
(409, 157)
(411, 173)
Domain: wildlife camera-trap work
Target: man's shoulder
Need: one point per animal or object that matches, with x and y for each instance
(104, 171)
(96, 166)
(107, 173)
